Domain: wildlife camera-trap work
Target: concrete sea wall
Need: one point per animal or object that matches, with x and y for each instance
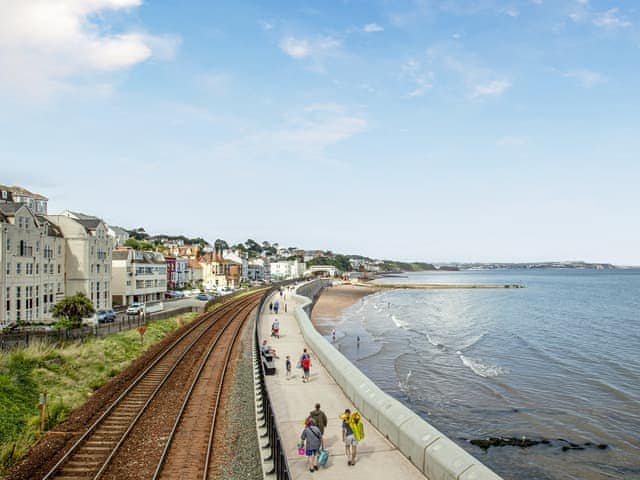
(428, 449)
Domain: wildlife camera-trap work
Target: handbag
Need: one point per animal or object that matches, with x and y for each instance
(323, 456)
(301, 450)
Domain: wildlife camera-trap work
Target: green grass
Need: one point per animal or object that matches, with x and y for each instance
(69, 374)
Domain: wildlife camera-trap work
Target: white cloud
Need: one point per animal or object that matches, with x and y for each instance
(214, 82)
(493, 88)
(265, 25)
(56, 45)
(308, 132)
(610, 19)
(372, 27)
(586, 78)
(300, 48)
(421, 78)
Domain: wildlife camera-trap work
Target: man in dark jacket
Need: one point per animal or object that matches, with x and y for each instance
(319, 417)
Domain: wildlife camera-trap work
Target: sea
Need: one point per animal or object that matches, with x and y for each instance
(558, 360)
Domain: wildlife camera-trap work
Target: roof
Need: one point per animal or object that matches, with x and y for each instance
(119, 230)
(120, 254)
(89, 224)
(53, 230)
(194, 264)
(82, 216)
(22, 191)
(10, 209)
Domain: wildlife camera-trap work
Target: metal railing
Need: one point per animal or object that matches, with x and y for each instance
(265, 411)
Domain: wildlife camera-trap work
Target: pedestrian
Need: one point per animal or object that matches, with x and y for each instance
(287, 366)
(352, 433)
(305, 364)
(358, 341)
(285, 308)
(333, 335)
(312, 438)
(270, 307)
(276, 307)
(319, 417)
(275, 328)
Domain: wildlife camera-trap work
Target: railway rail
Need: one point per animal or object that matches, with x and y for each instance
(206, 345)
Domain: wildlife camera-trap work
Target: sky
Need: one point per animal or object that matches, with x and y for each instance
(451, 130)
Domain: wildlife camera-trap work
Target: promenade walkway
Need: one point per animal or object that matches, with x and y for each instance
(292, 400)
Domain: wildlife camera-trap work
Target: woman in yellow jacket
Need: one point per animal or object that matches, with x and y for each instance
(352, 433)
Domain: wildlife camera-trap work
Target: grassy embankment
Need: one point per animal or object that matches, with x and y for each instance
(69, 374)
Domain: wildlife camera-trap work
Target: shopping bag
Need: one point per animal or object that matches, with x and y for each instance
(323, 456)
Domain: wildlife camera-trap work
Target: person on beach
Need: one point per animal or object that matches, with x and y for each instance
(358, 341)
(333, 335)
(319, 417)
(352, 433)
(287, 366)
(312, 439)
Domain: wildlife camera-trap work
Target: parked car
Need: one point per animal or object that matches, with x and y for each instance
(169, 294)
(135, 309)
(178, 294)
(102, 317)
(203, 296)
(111, 315)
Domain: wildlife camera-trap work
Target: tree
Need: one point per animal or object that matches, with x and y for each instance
(70, 310)
(220, 244)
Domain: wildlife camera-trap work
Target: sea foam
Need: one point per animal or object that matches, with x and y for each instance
(480, 369)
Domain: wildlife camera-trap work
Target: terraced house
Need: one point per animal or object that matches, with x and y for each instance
(88, 256)
(32, 259)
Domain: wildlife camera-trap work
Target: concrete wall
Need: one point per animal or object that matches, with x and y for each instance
(427, 448)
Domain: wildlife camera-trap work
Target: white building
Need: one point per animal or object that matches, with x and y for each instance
(88, 256)
(287, 270)
(137, 276)
(32, 260)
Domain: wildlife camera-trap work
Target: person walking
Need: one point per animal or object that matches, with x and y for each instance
(319, 417)
(333, 335)
(352, 433)
(276, 307)
(287, 365)
(270, 307)
(306, 366)
(312, 439)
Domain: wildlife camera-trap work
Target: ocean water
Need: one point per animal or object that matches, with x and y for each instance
(557, 360)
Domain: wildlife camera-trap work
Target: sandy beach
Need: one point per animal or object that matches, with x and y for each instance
(333, 301)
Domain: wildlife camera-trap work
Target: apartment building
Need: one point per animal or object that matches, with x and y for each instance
(259, 270)
(36, 202)
(88, 247)
(32, 263)
(137, 276)
(287, 269)
(194, 273)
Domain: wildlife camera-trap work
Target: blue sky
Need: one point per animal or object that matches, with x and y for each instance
(484, 130)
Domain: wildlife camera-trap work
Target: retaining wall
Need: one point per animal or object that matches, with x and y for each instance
(428, 449)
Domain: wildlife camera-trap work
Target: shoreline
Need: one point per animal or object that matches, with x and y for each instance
(333, 301)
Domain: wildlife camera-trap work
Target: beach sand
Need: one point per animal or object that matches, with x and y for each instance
(333, 301)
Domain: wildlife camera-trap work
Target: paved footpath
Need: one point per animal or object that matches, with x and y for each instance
(292, 401)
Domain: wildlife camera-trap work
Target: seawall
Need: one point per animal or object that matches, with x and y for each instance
(428, 449)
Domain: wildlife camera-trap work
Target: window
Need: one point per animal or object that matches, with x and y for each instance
(59, 268)
(8, 299)
(8, 244)
(97, 268)
(92, 268)
(37, 268)
(59, 288)
(8, 268)
(59, 250)
(18, 269)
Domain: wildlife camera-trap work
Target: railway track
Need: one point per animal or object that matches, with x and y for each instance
(97, 449)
